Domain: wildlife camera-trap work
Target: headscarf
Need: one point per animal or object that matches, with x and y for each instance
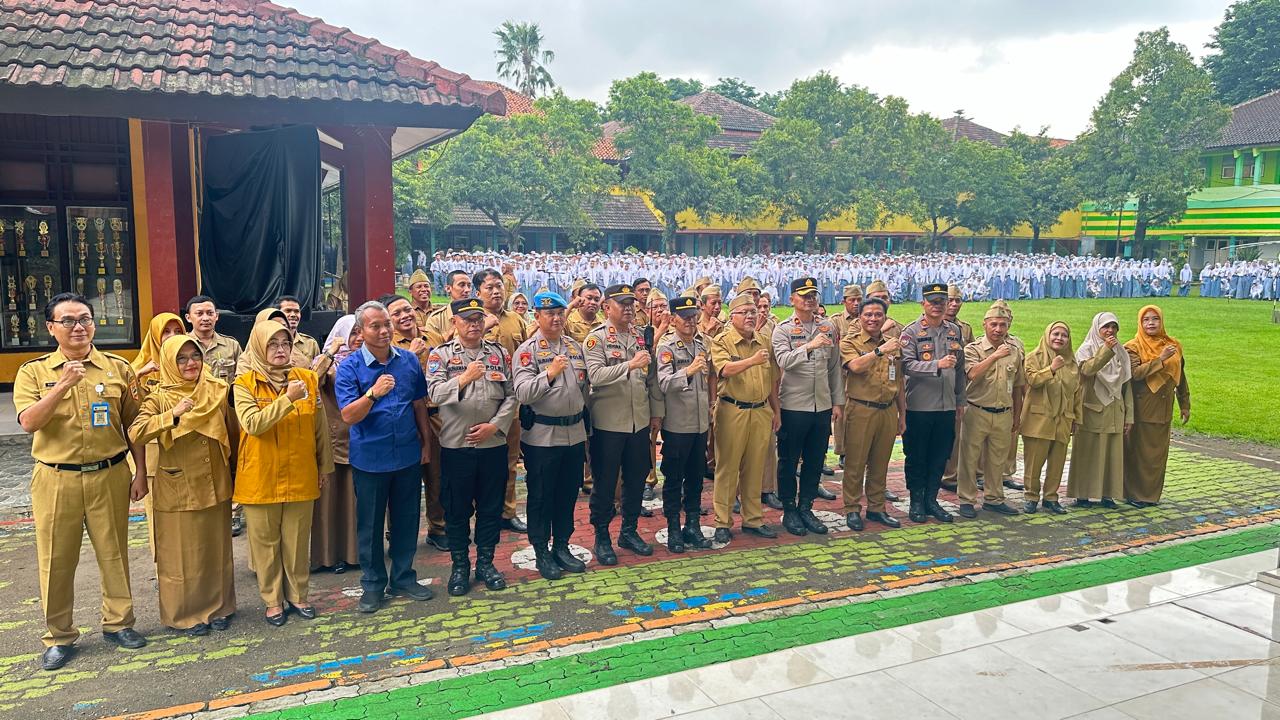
(151, 343)
(209, 394)
(341, 331)
(1061, 394)
(1148, 348)
(257, 352)
(511, 301)
(270, 314)
(1110, 380)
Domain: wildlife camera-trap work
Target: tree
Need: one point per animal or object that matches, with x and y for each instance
(683, 87)
(833, 149)
(1144, 138)
(416, 197)
(521, 58)
(768, 102)
(1247, 61)
(664, 146)
(536, 165)
(736, 89)
(1047, 180)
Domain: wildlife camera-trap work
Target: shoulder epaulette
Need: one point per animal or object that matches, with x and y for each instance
(36, 359)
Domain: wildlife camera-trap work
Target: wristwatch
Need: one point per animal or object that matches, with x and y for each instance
(878, 353)
(369, 394)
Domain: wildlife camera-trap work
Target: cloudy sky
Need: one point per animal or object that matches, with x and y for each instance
(1006, 63)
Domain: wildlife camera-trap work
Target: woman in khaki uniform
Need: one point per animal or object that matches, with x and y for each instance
(333, 526)
(147, 366)
(284, 456)
(1159, 375)
(1106, 414)
(1049, 415)
(187, 420)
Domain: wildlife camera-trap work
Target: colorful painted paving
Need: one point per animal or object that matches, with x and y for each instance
(648, 616)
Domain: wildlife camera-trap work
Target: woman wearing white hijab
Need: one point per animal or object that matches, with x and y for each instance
(1097, 451)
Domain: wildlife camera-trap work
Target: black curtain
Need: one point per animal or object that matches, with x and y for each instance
(260, 223)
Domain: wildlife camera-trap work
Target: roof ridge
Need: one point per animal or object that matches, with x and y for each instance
(1263, 96)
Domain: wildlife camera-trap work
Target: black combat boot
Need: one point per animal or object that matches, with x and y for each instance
(546, 564)
(486, 572)
(460, 575)
(604, 547)
(631, 540)
(675, 538)
(791, 520)
(565, 559)
(811, 521)
(693, 536)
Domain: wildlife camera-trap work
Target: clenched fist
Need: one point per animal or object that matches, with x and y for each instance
(946, 362)
(557, 366)
(474, 371)
(296, 390)
(1057, 363)
(383, 385)
(698, 365)
(183, 407)
(639, 360)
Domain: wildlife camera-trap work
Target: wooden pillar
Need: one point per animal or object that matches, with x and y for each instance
(371, 242)
(161, 216)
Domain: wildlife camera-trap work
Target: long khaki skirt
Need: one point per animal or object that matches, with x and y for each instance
(333, 525)
(194, 567)
(1097, 466)
(1146, 453)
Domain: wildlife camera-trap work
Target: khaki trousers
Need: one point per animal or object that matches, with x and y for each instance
(984, 439)
(513, 458)
(1011, 465)
(1036, 453)
(770, 482)
(431, 480)
(869, 436)
(280, 546)
(65, 506)
(837, 432)
(953, 462)
(653, 458)
(742, 440)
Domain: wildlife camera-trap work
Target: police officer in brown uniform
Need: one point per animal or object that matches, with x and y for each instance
(621, 373)
(469, 379)
(684, 369)
(997, 381)
(77, 402)
(955, 301)
(551, 384)
(875, 413)
(747, 414)
(509, 330)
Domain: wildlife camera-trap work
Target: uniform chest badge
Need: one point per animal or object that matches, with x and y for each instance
(616, 353)
(544, 354)
(666, 356)
(455, 360)
(926, 356)
(497, 376)
(543, 343)
(433, 362)
(495, 360)
(573, 351)
(525, 359)
(797, 330)
(923, 333)
(679, 343)
(640, 340)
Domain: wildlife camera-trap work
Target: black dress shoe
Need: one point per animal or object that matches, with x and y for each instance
(891, 496)
(917, 512)
(514, 524)
(604, 551)
(646, 512)
(197, 630)
(546, 565)
(966, 511)
(1086, 503)
(1031, 507)
(56, 656)
(999, 508)
(490, 576)
(648, 493)
(771, 499)
(306, 613)
(439, 542)
(459, 582)
(1055, 507)
(937, 512)
(828, 471)
(220, 623)
(370, 601)
(763, 531)
(825, 494)
(792, 523)
(339, 568)
(566, 560)
(237, 525)
(414, 591)
(722, 536)
(632, 541)
(854, 521)
(675, 538)
(883, 518)
(1138, 503)
(1109, 504)
(278, 619)
(812, 523)
(127, 638)
(1014, 484)
(693, 537)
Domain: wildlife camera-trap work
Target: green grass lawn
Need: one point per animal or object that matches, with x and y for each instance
(1232, 352)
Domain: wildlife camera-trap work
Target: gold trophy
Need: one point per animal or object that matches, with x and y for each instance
(19, 228)
(30, 282)
(102, 298)
(101, 245)
(80, 286)
(48, 288)
(13, 330)
(82, 247)
(2, 243)
(117, 247)
(117, 288)
(31, 328)
(13, 292)
(43, 237)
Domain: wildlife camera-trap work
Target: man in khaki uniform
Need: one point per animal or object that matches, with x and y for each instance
(510, 331)
(710, 302)
(997, 380)
(955, 301)
(766, 323)
(584, 313)
(303, 344)
(406, 335)
(891, 329)
(852, 299)
(77, 402)
(419, 287)
(876, 412)
(747, 415)
(220, 351)
(642, 287)
(1011, 464)
(439, 327)
(658, 328)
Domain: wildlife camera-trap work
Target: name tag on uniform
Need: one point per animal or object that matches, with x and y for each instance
(893, 372)
(1009, 385)
(100, 414)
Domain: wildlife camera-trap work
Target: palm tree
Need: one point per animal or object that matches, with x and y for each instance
(521, 58)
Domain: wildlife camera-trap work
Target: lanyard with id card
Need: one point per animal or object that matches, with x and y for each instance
(99, 412)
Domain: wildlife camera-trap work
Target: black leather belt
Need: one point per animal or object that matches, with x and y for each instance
(558, 420)
(743, 405)
(868, 403)
(91, 467)
(993, 411)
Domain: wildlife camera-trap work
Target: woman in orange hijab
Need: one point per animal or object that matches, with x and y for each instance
(1159, 376)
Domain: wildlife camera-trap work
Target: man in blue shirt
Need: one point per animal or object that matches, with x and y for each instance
(382, 395)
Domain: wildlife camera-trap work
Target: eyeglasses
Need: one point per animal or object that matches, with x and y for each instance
(279, 345)
(745, 313)
(188, 359)
(69, 323)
